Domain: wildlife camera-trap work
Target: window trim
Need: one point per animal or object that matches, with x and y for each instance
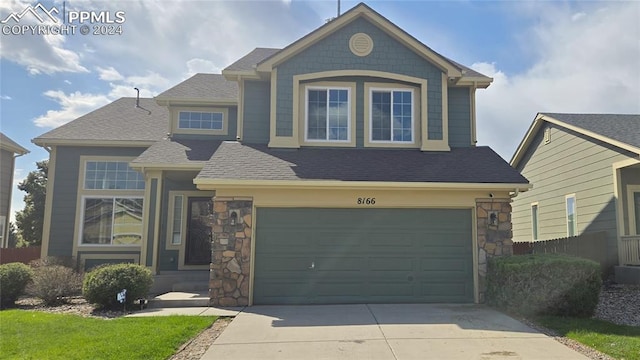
(306, 114)
(535, 225)
(575, 214)
(110, 245)
(413, 115)
(175, 120)
(200, 112)
(632, 189)
(81, 193)
(4, 227)
(416, 118)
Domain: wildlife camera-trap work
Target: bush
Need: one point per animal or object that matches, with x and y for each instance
(14, 278)
(544, 284)
(66, 261)
(52, 283)
(103, 283)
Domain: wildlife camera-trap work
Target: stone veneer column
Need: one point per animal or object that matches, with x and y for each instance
(494, 239)
(230, 252)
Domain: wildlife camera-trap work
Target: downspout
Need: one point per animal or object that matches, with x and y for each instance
(5, 235)
(474, 137)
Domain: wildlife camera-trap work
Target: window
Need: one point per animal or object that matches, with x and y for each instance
(534, 221)
(112, 221)
(328, 114)
(636, 206)
(176, 232)
(391, 115)
(201, 120)
(108, 175)
(572, 221)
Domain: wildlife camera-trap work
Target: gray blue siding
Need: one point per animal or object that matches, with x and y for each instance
(65, 193)
(152, 221)
(256, 115)
(570, 164)
(333, 53)
(459, 107)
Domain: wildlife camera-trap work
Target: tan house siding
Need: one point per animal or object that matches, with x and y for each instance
(569, 163)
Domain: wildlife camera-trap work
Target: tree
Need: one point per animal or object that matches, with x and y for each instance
(30, 220)
(14, 237)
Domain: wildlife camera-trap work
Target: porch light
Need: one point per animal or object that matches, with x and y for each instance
(233, 218)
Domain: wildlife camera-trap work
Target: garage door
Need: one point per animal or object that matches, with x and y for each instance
(334, 256)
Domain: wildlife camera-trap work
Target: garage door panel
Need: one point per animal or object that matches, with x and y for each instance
(363, 255)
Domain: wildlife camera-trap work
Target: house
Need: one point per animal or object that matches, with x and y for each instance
(340, 169)
(586, 174)
(9, 150)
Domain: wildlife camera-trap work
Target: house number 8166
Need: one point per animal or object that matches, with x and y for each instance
(366, 201)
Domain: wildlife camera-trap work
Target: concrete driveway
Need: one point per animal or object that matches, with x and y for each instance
(417, 331)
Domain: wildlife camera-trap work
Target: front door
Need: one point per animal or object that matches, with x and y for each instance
(198, 231)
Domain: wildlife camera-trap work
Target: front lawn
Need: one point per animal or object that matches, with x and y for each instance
(618, 341)
(40, 335)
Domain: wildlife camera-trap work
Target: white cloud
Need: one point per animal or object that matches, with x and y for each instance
(67, 82)
(196, 65)
(37, 53)
(5, 97)
(109, 74)
(72, 105)
(586, 65)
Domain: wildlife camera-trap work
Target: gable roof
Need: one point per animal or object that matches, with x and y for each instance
(252, 162)
(264, 59)
(621, 130)
(208, 88)
(7, 144)
(251, 60)
(117, 122)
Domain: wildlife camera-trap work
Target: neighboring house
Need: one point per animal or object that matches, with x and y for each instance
(585, 170)
(342, 168)
(9, 150)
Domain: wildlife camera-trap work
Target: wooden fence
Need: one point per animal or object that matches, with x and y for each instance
(592, 246)
(23, 255)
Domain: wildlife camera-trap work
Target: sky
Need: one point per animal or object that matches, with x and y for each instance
(544, 56)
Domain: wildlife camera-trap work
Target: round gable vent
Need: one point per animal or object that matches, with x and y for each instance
(361, 44)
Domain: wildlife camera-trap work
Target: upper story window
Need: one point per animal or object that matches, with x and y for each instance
(112, 175)
(328, 114)
(201, 120)
(391, 115)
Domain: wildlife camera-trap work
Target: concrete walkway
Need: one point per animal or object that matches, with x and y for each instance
(394, 332)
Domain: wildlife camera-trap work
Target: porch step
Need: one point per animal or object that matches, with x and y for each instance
(191, 286)
(177, 299)
(165, 280)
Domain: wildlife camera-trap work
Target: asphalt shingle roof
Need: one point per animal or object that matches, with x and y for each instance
(178, 152)
(620, 127)
(247, 62)
(119, 121)
(233, 160)
(205, 87)
(8, 144)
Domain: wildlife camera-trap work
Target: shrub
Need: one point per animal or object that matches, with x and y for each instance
(102, 284)
(52, 283)
(66, 261)
(14, 278)
(544, 284)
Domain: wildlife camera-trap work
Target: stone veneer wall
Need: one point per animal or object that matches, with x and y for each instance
(230, 252)
(493, 240)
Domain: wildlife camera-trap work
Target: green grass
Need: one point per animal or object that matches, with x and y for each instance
(618, 341)
(39, 335)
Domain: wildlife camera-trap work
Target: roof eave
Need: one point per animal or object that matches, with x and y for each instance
(16, 149)
(165, 101)
(44, 142)
(203, 184)
(193, 166)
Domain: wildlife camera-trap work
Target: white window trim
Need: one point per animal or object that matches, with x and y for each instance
(99, 193)
(202, 112)
(84, 175)
(535, 228)
(575, 213)
(183, 223)
(175, 120)
(111, 245)
(413, 115)
(3, 231)
(631, 190)
(306, 114)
